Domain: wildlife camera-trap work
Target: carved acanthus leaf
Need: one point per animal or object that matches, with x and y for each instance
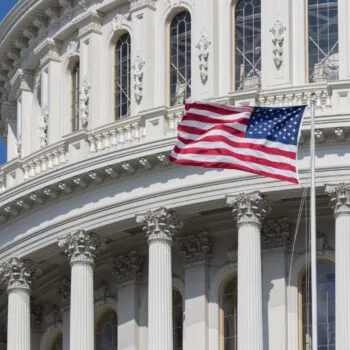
(277, 31)
(340, 197)
(128, 267)
(203, 57)
(275, 233)
(196, 248)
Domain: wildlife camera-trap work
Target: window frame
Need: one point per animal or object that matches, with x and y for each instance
(169, 23)
(74, 95)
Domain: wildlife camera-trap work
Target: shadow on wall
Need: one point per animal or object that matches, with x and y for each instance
(2, 152)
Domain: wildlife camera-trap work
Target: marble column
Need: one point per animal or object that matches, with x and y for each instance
(160, 226)
(128, 269)
(340, 202)
(81, 248)
(17, 274)
(197, 252)
(249, 210)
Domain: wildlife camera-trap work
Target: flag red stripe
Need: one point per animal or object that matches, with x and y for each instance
(242, 157)
(233, 166)
(205, 119)
(268, 150)
(198, 131)
(225, 110)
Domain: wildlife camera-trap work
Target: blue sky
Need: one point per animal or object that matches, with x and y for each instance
(5, 7)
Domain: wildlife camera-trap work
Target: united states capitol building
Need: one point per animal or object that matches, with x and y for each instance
(104, 243)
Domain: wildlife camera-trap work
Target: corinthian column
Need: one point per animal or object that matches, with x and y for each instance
(340, 202)
(17, 275)
(159, 226)
(81, 248)
(249, 210)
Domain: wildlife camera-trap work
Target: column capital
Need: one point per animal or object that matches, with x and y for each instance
(128, 267)
(275, 233)
(196, 248)
(18, 273)
(81, 246)
(340, 197)
(160, 224)
(248, 207)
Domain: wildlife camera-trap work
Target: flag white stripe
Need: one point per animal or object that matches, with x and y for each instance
(225, 106)
(216, 132)
(241, 151)
(206, 126)
(233, 161)
(213, 115)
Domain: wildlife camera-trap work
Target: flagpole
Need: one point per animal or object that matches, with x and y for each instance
(313, 229)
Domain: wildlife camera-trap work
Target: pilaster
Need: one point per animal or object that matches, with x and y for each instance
(197, 251)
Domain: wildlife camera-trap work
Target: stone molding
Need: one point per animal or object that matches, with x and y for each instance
(140, 4)
(196, 248)
(275, 233)
(339, 197)
(81, 247)
(128, 267)
(160, 224)
(18, 273)
(64, 293)
(248, 207)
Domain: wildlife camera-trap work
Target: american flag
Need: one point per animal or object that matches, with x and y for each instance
(260, 140)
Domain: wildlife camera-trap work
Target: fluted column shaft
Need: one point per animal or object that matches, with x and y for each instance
(340, 201)
(18, 319)
(17, 275)
(82, 306)
(81, 248)
(248, 210)
(160, 225)
(160, 322)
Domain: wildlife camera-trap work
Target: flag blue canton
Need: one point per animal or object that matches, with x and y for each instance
(279, 124)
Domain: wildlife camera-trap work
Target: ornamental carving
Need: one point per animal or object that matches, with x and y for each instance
(196, 248)
(84, 103)
(248, 207)
(120, 21)
(277, 31)
(160, 223)
(18, 273)
(54, 317)
(73, 48)
(138, 68)
(203, 57)
(340, 197)
(275, 233)
(64, 293)
(43, 126)
(137, 4)
(81, 246)
(128, 267)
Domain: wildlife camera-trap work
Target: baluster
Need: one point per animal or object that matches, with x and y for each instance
(25, 171)
(49, 161)
(62, 155)
(114, 140)
(55, 158)
(99, 142)
(92, 143)
(43, 163)
(37, 166)
(106, 140)
(136, 129)
(120, 137)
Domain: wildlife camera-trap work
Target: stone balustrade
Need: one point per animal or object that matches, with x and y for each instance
(160, 124)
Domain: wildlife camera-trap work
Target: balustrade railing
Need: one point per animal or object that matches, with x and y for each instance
(331, 99)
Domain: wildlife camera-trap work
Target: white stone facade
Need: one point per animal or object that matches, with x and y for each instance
(130, 225)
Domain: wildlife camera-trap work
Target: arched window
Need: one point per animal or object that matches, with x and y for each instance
(107, 332)
(180, 58)
(75, 76)
(325, 307)
(323, 40)
(122, 61)
(177, 320)
(58, 343)
(247, 44)
(229, 315)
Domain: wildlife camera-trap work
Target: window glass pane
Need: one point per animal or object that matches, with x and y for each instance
(325, 307)
(323, 40)
(178, 317)
(229, 309)
(57, 345)
(247, 44)
(180, 58)
(107, 332)
(122, 77)
(75, 97)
